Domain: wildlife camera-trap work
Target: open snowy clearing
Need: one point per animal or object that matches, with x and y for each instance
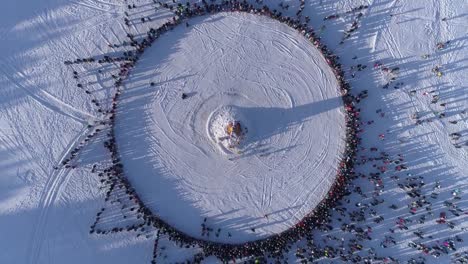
(45, 214)
(286, 96)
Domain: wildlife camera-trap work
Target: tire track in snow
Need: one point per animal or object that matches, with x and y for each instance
(321, 157)
(374, 41)
(168, 137)
(313, 191)
(178, 135)
(53, 187)
(386, 28)
(251, 198)
(94, 6)
(105, 3)
(271, 192)
(160, 151)
(263, 190)
(202, 34)
(49, 101)
(18, 139)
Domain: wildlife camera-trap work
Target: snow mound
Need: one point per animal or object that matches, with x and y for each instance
(220, 129)
(231, 67)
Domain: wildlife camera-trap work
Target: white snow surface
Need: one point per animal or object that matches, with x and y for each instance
(45, 214)
(283, 91)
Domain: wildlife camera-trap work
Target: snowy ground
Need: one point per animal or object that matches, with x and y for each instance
(45, 214)
(286, 96)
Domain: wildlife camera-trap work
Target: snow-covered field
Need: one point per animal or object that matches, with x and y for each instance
(267, 70)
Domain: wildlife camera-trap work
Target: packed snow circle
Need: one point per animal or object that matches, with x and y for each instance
(175, 140)
(178, 154)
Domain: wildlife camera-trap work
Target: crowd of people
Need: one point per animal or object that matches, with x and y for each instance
(278, 246)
